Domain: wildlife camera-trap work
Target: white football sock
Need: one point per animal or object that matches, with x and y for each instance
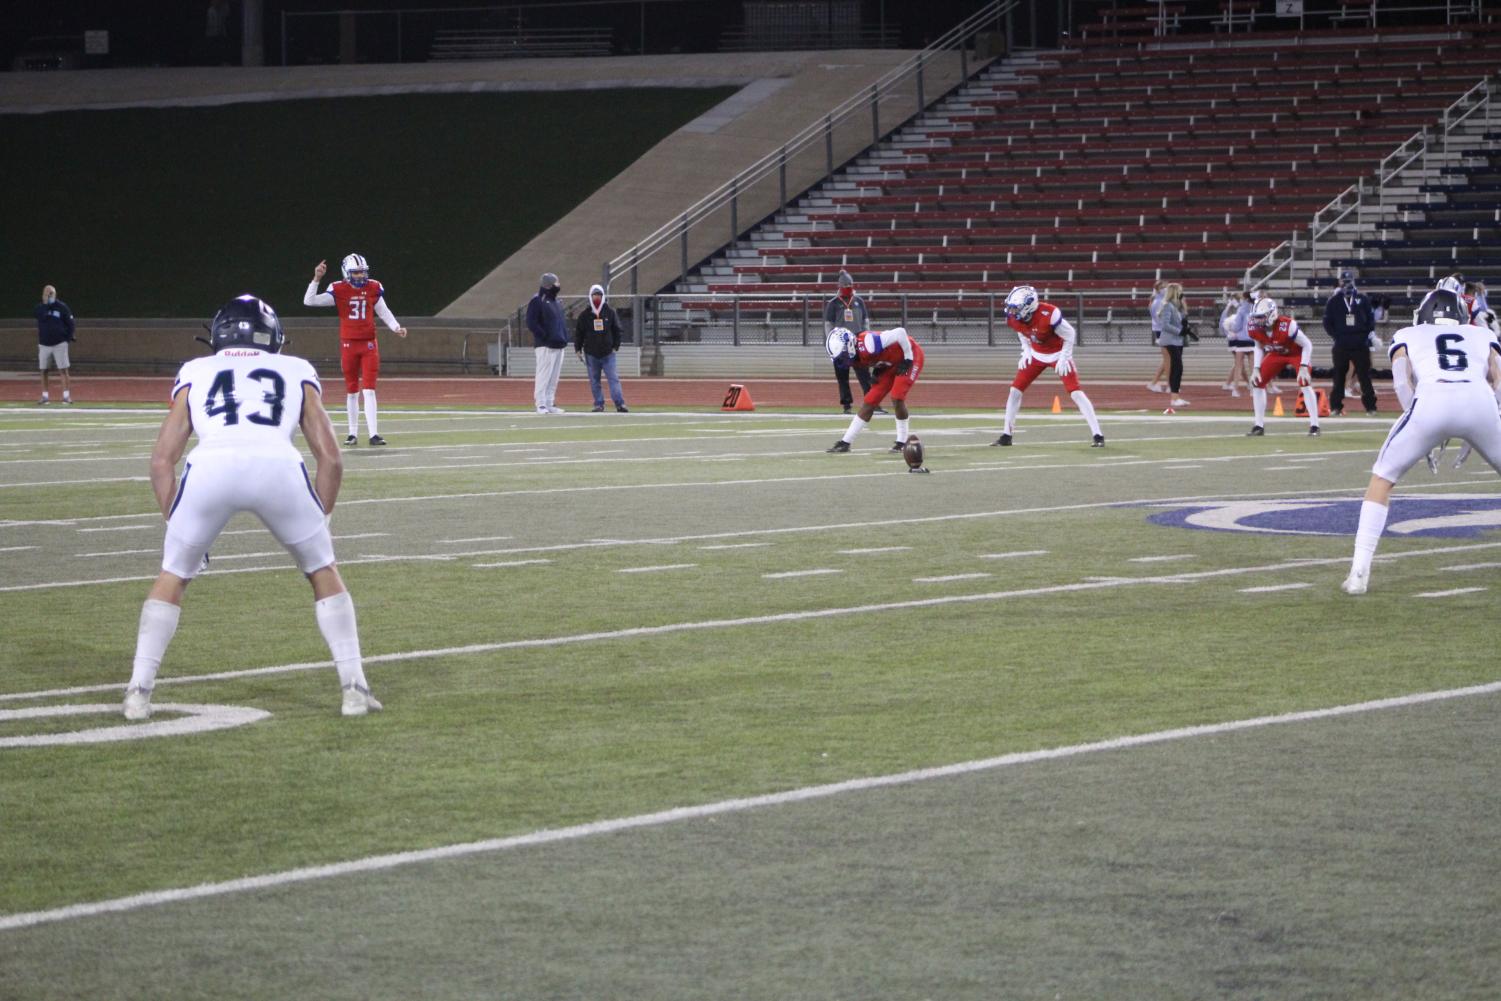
(158, 624)
(1311, 404)
(1013, 406)
(1367, 535)
(336, 623)
(856, 426)
(1086, 408)
(370, 412)
(67, 396)
(903, 428)
(45, 395)
(1258, 405)
(352, 410)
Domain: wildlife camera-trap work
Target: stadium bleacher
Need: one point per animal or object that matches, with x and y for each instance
(1122, 159)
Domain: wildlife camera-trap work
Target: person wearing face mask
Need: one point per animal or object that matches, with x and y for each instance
(544, 318)
(847, 311)
(54, 331)
(596, 338)
(1349, 321)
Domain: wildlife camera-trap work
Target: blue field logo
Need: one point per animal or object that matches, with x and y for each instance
(1453, 516)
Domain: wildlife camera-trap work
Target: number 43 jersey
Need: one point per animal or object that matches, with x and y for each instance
(246, 401)
(1445, 352)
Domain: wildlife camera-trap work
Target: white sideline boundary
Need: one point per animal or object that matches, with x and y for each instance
(377, 863)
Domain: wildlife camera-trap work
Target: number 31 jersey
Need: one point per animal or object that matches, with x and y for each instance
(246, 401)
(1446, 352)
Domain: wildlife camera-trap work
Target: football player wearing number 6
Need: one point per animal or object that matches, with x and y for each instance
(1446, 372)
(244, 402)
(359, 299)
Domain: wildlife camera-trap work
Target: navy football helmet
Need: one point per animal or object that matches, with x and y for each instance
(246, 322)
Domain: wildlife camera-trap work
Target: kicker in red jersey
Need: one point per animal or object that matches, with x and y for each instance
(356, 309)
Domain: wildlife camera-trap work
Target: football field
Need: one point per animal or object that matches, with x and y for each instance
(678, 706)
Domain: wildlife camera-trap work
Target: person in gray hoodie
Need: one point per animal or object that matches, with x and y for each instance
(544, 318)
(596, 338)
(847, 310)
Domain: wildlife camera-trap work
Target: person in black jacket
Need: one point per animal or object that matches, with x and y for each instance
(1349, 320)
(596, 338)
(54, 332)
(847, 311)
(544, 318)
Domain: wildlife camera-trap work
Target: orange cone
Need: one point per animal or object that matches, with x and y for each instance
(1057, 406)
(737, 398)
(1277, 410)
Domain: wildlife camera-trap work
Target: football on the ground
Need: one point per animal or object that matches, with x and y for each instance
(913, 452)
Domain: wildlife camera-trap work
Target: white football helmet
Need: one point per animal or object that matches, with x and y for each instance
(1022, 302)
(1265, 310)
(356, 270)
(1453, 283)
(841, 343)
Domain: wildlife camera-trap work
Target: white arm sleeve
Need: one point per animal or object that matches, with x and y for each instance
(898, 335)
(384, 312)
(1066, 330)
(315, 298)
(1402, 378)
(1302, 341)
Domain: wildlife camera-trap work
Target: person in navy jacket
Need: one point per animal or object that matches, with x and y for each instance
(544, 318)
(54, 332)
(1350, 320)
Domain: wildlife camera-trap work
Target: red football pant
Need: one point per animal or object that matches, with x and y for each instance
(1272, 365)
(360, 361)
(896, 385)
(1028, 375)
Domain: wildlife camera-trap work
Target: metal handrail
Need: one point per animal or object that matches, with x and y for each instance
(1415, 148)
(676, 230)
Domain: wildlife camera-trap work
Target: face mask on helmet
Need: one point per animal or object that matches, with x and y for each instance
(1022, 302)
(841, 345)
(356, 270)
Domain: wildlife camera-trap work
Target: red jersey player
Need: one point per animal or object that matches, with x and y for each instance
(895, 361)
(1047, 342)
(1278, 341)
(359, 300)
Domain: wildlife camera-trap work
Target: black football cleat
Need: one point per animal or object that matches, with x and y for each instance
(1313, 432)
(1257, 431)
(353, 439)
(1099, 441)
(376, 439)
(840, 447)
(1004, 439)
(898, 446)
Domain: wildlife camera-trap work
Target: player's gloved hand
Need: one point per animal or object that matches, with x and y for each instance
(1024, 360)
(879, 370)
(904, 366)
(1304, 376)
(1256, 379)
(1065, 365)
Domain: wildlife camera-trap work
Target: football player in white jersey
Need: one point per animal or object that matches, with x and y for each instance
(1446, 372)
(245, 401)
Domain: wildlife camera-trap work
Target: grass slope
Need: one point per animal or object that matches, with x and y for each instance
(435, 190)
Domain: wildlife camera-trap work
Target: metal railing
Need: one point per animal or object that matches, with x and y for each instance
(722, 206)
(1356, 198)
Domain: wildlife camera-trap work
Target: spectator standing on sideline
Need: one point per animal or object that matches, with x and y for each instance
(54, 332)
(1349, 321)
(544, 318)
(1233, 323)
(847, 310)
(1154, 310)
(596, 338)
(1173, 315)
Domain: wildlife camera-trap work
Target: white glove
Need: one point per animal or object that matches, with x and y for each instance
(1255, 378)
(1064, 365)
(1024, 360)
(1304, 376)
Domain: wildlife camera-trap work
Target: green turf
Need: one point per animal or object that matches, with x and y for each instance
(435, 190)
(1313, 860)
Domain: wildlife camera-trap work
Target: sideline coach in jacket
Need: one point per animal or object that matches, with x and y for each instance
(1349, 320)
(54, 332)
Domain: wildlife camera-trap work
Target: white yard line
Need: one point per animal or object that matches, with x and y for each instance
(510, 563)
(1472, 566)
(677, 815)
(15, 549)
(482, 538)
(1273, 587)
(873, 549)
(655, 569)
(801, 573)
(117, 552)
(949, 577)
(737, 545)
(1007, 556)
(122, 528)
(1161, 559)
(1450, 593)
